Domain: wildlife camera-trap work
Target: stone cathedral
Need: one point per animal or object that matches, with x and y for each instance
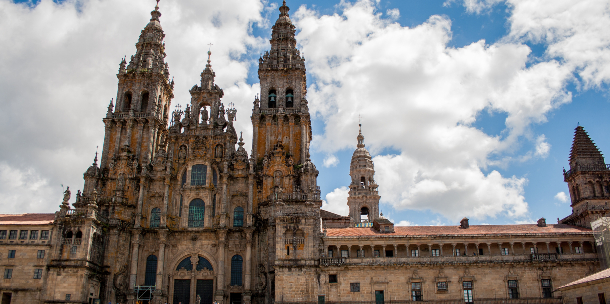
(176, 211)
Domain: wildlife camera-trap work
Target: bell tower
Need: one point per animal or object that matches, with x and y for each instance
(137, 121)
(363, 199)
(588, 181)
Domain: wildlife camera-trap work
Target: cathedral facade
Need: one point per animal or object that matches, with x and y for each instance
(175, 213)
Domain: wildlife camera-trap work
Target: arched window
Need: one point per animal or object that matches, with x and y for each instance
(364, 214)
(272, 99)
(238, 217)
(79, 235)
(196, 213)
(127, 102)
(155, 218)
(144, 102)
(198, 173)
(289, 99)
(204, 264)
(186, 264)
(362, 181)
(69, 235)
(150, 279)
(236, 270)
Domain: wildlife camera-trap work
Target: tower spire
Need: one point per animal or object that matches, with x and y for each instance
(584, 152)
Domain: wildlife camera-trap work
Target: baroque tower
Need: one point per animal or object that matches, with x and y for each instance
(363, 199)
(588, 181)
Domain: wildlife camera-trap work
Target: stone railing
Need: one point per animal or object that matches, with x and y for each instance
(295, 196)
(332, 261)
(280, 111)
(476, 301)
(544, 257)
(592, 167)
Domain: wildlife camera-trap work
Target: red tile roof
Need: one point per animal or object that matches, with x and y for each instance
(531, 229)
(27, 219)
(604, 274)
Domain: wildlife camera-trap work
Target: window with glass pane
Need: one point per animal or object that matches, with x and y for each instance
(578, 249)
(415, 253)
(155, 218)
(513, 289)
(2, 234)
(40, 254)
(504, 251)
(467, 292)
(214, 206)
(376, 253)
(344, 254)
(34, 235)
(198, 173)
(196, 213)
(37, 273)
(12, 235)
(44, 235)
(330, 253)
(11, 254)
(416, 292)
(456, 252)
(8, 273)
(360, 253)
(238, 217)
(73, 250)
(547, 291)
(354, 287)
(532, 250)
(436, 252)
(23, 235)
(236, 270)
(441, 286)
(214, 178)
(150, 277)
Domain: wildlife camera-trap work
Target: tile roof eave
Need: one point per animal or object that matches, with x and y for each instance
(462, 235)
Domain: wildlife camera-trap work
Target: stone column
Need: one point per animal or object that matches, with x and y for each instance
(255, 138)
(466, 249)
(418, 251)
(349, 251)
(500, 247)
(453, 250)
(361, 251)
(523, 247)
(248, 271)
(395, 251)
(476, 245)
(165, 203)
(117, 139)
(512, 248)
(130, 124)
(303, 140)
(138, 219)
(489, 248)
(570, 244)
(430, 249)
(220, 284)
(548, 248)
(291, 131)
(134, 258)
(161, 259)
(223, 211)
(194, 261)
(250, 206)
(582, 248)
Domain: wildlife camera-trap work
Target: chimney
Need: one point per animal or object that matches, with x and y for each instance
(542, 222)
(464, 223)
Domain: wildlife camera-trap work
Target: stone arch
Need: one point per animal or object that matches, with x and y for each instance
(272, 99)
(144, 98)
(289, 98)
(187, 254)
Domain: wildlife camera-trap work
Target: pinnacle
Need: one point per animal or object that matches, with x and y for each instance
(583, 149)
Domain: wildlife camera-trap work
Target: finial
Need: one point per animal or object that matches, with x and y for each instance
(155, 14)
(209, 52)
(157, 6)
(95, 159)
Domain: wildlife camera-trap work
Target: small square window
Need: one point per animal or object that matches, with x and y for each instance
(73, 249)
(12, 235)
(44, 235)
(34, 235)
(387, 228)
(480, 251)
(11, 254)
(330, 253)
(456, 252)
(513, 289)
(8, 273)
(40, 254)
(436, 252)
(415, 252)
(37, 273)
(332, 278)
(354, 287)
(23, 235)
(2, 234)
(441, 286)
(68, 296)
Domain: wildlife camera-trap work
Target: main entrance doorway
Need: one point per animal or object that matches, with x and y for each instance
(182, 291)
(235, 298)
(205, 290)
(379, 297)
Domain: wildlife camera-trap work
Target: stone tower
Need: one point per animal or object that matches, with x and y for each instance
(363, 199)
(588, 181)
(287, 196)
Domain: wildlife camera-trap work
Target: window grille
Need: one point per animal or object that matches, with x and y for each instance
(196, 213)
(2, 234)
(547, 291)
(441, 286)
(238, 217)
(11, 254)
(23, 235)
(34, 235)
(37, 273)
(150, 278)
(513, 289)
(198, 173)
(436, 252)
(416, 294)
(44, 235)
(354, 287)
(40, 254)
(12, 235)
(155, 218)
(236, 270)
(467, 292)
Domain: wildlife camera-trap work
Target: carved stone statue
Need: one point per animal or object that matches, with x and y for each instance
(204, 115)
(67, 195)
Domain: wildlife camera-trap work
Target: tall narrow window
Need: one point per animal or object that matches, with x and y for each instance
(34, 235)
(272, 99)
(214, 178)
(214, 206)
(218, 151)
(44, 235)
(198, 173)
(180, 211)
(467, 292)
(11, 254)
(416, 292)
(547, 291)
(8, 273)
(236, 270)
(196, 213)
(513, 289)
(144, 103)
(183, 179)
(40, 254)
(238, 217)
(37, 273)
(2, 234)
(23, 235)
(127, 102)
(155, 218)
(289, 99)
(12, 235)
(435, 252)
(150, 277)
(364, 214)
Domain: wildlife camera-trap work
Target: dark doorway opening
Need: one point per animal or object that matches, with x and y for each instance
(379, 297)
(6, 298)
(182, 291)
(205, 290)
(235, 298)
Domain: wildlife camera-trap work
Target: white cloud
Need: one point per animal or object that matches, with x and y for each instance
(404, 223)
(561, 196)
(331, 161)
(542, 147)
(336, 201)
(427, 97)
(57, 75)
(393, 13)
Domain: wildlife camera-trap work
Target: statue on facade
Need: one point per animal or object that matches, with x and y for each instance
(204, 115)
(67, 195)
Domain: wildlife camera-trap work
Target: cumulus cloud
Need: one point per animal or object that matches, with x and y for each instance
(331, 161)
(561, 196)
(336, 201)
(404, 223)
(421, 97)
(57, 75)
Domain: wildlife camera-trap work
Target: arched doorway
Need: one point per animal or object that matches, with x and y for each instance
(194, 276)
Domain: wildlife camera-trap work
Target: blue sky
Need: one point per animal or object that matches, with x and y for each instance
(467, 107)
